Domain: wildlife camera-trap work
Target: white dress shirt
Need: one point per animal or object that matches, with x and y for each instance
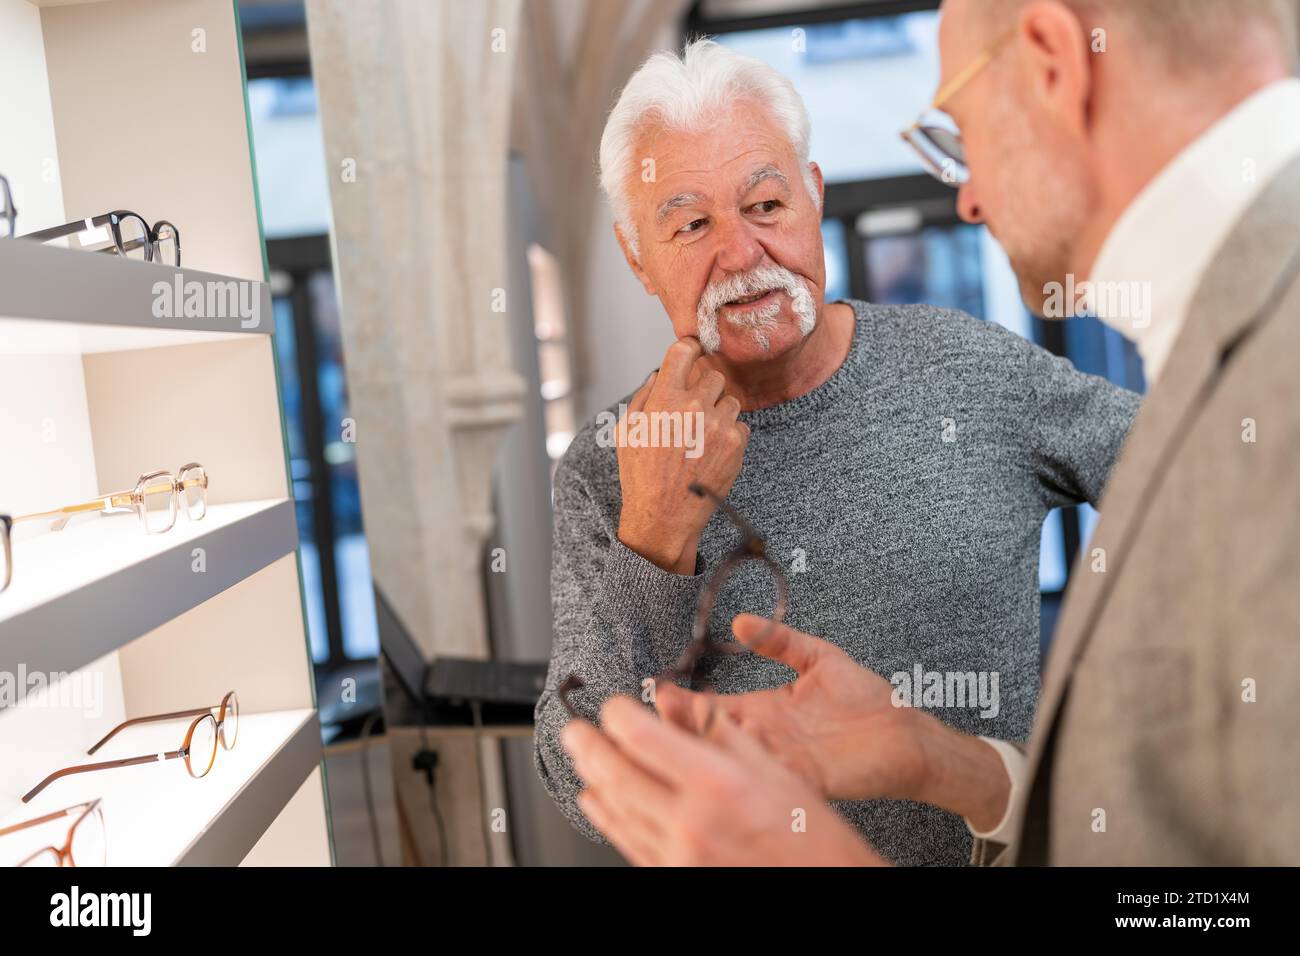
(1167, 238)
(1169, 234)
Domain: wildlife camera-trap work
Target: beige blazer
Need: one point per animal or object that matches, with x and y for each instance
(1168, 729)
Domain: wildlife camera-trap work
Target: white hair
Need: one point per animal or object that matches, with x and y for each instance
(684, 93)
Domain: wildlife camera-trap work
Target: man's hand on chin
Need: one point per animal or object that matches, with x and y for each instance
(661, 519)
(664, 797)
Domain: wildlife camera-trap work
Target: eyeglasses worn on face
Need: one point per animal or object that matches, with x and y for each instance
(123, 233)
(198, 749)
(85, 844)
(935, 137)
(751, 548)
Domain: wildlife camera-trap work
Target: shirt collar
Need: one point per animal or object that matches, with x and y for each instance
(1164, 241)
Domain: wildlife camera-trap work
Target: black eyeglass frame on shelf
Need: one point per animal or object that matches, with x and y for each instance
(8, 212)
(153, 236)
(6, 551)
(751, 548)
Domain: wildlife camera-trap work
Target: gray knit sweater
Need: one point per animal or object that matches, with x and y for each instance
(905, 496)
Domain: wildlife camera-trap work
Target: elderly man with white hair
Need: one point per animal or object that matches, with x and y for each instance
(898, 461)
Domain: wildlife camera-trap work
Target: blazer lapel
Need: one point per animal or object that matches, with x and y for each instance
(1240, 289)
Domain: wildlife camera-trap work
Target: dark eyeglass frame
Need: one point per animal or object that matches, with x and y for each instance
(64, 853)
(152, 235)
(751, 548)
(229, 705)
(8, 211)
(6, 526)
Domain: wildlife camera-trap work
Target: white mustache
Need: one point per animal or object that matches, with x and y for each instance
(761, 280)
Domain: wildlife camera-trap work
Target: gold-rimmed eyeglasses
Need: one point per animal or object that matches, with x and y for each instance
(157, 498)
(935, 135)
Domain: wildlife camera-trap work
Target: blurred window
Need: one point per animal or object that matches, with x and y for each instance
(294, 198)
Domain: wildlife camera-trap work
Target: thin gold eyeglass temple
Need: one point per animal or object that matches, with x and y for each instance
(129, 500)
(950, 89)
(922, 137)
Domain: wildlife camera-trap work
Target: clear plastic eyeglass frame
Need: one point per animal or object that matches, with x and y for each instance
(188, 489)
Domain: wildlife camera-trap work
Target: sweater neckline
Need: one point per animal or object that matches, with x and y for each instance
(829, 392)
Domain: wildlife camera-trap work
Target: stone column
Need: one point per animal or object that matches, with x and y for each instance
(415, 100)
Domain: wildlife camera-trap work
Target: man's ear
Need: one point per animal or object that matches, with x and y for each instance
(821, 185)
(1058, 73)
(632, 261)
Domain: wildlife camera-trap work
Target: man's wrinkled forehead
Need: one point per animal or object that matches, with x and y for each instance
(761, 173)
(719, 163)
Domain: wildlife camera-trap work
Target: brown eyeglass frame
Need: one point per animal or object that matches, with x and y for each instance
(200, 714)
(134, 499)
(64, 853)
(751, 548)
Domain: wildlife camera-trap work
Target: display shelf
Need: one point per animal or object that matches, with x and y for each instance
(157, 814)
(48, 283)
(27, 337)
(100, 583)
(103, 374)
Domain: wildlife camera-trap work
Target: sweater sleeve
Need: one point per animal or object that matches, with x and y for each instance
(618, 619)
(1076, 425)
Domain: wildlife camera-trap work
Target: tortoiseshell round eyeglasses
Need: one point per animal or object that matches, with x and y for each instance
(750, 548)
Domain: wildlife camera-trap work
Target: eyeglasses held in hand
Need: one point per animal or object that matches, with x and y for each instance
(750, 548)
(123, 233)
(198, 749)
(8, 214)
(85, 844)
(935, 136)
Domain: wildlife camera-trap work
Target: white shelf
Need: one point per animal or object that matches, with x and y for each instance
(92, 382)
(157, 814)
(34, 337)
(50, 284)
(100, 583)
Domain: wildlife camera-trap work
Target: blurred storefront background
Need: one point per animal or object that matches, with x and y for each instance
(582, 331)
